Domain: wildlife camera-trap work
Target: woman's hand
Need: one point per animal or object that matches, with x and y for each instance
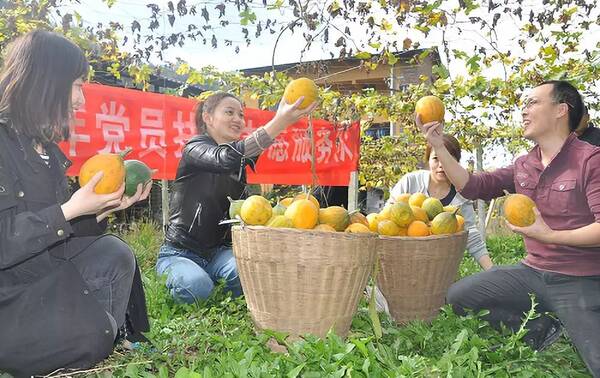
(85, 201)
(288, 114)
(539, 230)
(432, 131)
(142, 192)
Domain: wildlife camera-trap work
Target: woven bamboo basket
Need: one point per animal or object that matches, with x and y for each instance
(302, 281)
(415, 273)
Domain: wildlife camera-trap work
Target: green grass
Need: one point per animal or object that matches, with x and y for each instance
(217, 339)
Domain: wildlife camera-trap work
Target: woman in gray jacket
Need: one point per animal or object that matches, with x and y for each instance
(434, 183)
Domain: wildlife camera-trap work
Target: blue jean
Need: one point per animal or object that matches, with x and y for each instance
(191, 277)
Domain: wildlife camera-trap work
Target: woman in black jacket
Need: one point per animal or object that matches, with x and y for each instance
(197, 251)
(64, 288)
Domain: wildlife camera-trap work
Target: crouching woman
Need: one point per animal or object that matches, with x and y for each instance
(65, 288)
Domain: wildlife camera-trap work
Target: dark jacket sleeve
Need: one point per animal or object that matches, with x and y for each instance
(88, 226)
(26, 234)
(203, 153)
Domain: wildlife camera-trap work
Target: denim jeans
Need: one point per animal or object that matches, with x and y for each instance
(191, 278)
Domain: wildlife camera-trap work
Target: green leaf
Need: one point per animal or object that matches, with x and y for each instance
(184, 372)
(424, 54)
(441, 71)
(132, 371)
(470, 6)
(391, 58)
(361, 346)
(334, 7)
(295, 371)
(363, 55)
(276, 5)
(183, 69)
(459, 341)
(207, 372)
(385, 25)
(473, 63)
(163, 371)
(247, 16)
(365, 366)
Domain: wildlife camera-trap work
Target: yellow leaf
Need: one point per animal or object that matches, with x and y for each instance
(183, 69)
(385, 25)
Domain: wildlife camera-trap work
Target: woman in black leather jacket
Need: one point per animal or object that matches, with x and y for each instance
(64, 286)
(197, 250)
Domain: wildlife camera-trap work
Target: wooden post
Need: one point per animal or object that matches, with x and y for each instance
(395, 128)
(353, 191)
(480, 203)
(488, 217)
(164, 190)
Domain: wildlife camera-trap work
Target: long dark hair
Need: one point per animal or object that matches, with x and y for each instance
(209, 105)
(35, 84)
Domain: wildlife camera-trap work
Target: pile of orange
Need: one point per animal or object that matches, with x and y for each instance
(416, 215)
(302, 212)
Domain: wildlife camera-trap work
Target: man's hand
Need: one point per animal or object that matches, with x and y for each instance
(539, 230)
(432, 131)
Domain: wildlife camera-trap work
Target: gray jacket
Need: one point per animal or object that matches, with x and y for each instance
(418, 182)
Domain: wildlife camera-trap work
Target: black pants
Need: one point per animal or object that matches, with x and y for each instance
(504, 291)
(107, 266)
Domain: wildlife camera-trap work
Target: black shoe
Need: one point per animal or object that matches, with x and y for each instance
(543, 334)
(553, 333)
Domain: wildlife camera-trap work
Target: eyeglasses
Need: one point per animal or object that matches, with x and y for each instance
(534, 101)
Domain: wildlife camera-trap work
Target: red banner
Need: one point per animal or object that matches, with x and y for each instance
(156, 126)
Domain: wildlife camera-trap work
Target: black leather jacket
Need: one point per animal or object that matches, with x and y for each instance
(206, 175)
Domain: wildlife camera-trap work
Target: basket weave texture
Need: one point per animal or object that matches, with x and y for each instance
(302, 281)
(415, 273)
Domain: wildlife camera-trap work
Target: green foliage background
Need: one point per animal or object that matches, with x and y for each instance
(482, 102)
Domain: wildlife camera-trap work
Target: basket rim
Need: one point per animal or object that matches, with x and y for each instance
(430, 237)
(370, 235)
